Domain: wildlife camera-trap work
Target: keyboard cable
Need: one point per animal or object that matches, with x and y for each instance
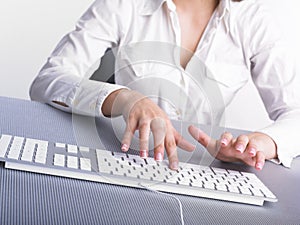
(169, 195)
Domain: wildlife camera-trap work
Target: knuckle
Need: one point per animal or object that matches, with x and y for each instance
(170, 145)
(242, 138)
(253, 143)
(143, 125)
(159, 121)
(227, 134)
(159, 147)
(131, 118)
(260, 155)
(158, 124)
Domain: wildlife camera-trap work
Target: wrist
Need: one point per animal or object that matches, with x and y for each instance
(270, 146)
(115, 102)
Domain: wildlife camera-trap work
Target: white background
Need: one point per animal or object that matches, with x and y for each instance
(29, 31)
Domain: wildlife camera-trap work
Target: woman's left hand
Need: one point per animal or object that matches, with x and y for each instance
(252, 149)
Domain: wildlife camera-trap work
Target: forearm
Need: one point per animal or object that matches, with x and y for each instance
(121, 102)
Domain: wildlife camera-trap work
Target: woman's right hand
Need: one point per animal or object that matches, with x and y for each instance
(142, 114)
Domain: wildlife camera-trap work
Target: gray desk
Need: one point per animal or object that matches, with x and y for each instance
(28, 198)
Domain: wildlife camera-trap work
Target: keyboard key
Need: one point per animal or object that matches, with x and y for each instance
(219, 171)
(172, 180)
(233, 189)
(119, 155)
(85, 164)
(268, 193)
(14, 151)
(59, 160)
(102, 154)
(72, 162)
(257, 192)
(4, 143)
(60, 145)
(118, 172)
(185, 182)
(136, 160)
(72, 149)
(245, 191)
(150, 161)
(28, 150)
(221, 187)
(84, 149)
(41, 155)
(209, 185)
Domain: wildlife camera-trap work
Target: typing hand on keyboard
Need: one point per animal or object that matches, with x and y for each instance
(125, 169)
(142, 114)
(252, 149)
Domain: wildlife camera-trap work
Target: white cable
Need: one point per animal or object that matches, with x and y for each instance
(169, 195)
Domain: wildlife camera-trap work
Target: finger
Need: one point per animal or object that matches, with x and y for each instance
(144, 132)
(225, 139)
(128, 134)
(241, 143)
(252, 148)
(171, 150)
(183, 143)
(260, 160)
(158, 128)
(209, 143)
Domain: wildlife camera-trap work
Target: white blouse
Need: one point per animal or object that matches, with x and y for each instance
(241, 41)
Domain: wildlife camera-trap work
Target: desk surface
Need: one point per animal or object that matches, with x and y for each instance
(28, 198)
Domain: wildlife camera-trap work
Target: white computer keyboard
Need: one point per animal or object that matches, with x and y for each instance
(130, 170)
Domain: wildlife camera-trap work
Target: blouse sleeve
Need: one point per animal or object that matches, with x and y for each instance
(275, 73)
(65, 76)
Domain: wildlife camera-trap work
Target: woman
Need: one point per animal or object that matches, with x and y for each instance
(236, 40)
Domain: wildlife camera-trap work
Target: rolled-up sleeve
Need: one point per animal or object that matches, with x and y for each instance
(65, 76)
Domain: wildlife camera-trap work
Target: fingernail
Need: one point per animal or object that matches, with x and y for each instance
(158, 157)
(124, 147)
(174, 165)
(259, 166)
(240, 148)
(252, 151)
(144, 154)
(224, 141)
